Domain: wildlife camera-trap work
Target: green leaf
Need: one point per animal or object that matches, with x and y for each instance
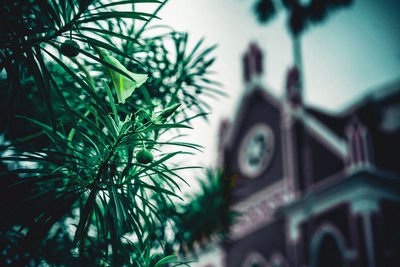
(43, 126)
(126, 2)
(115, 14)
(124, 84)
(166, 259)
(77, 79)
(42, 81)
(86, 212)
(146, 96)
(169, 126)
(158, 189)
(169, 110)
(111, 98)
(98, 43)
(108, 33)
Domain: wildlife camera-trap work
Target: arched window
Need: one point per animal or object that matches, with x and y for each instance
(255, 259)
(329, 254)
(328, 248)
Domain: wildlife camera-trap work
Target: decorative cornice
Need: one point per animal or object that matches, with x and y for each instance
(362, 190)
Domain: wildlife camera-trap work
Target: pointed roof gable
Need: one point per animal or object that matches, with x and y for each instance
(245, 104)
(328, 128)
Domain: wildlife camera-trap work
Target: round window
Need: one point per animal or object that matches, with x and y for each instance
(256, 150)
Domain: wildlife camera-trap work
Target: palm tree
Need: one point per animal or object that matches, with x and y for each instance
(301, 15)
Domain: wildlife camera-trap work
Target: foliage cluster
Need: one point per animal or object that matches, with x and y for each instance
(205, 218)
(88, 91)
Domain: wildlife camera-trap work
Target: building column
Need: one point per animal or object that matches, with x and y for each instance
(369, 239)
(365, 207)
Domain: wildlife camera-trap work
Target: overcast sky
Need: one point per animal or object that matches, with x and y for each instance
(355, 50)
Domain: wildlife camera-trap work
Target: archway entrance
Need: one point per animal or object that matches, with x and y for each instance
(329, 253)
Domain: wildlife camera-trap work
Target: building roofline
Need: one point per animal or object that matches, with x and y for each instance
(375, 177)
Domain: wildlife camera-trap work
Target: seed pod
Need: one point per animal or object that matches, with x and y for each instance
(188, 80)
(169, 110)
(70, 48)
(144, 156)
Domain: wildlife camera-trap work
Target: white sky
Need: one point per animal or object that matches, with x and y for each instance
(355, 50)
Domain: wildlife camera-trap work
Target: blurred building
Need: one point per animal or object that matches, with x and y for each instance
(314, 189)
